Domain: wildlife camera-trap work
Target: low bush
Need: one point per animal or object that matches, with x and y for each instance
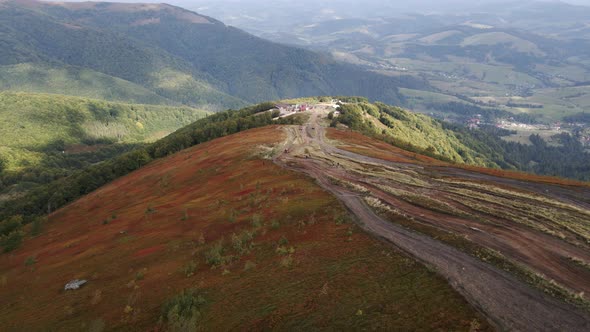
(11, 241)
(183, 312)
(189, 269)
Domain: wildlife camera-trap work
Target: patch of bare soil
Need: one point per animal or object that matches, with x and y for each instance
(539, 225)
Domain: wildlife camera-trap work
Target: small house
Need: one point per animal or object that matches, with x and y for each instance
(282, 107)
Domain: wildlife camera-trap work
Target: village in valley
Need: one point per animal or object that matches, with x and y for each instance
(579, 130)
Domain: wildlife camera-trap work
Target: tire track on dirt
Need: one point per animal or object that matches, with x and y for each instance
(508, 303)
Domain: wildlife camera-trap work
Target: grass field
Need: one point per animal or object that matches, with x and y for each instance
(523, 136)
(497, 83)
(418, 99)
(494, 38)
(560, 102)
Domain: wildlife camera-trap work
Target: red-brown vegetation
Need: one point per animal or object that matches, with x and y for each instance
(133, 238)
(358, 143)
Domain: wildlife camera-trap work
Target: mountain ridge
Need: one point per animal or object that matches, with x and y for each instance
(176, 54)
(264, 247)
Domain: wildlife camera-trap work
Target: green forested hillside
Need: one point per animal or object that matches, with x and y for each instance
(46, 136)
(410, 130)
(30, 36)
(68, 80)
(173, 53)
(37, 121)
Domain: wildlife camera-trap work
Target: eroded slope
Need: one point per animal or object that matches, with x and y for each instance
(470, 225)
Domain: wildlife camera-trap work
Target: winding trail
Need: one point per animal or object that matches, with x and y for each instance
(508, 303)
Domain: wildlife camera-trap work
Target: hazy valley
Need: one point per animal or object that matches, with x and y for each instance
(523, 66)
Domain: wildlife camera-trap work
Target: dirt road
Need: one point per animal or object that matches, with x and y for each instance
(508, 303)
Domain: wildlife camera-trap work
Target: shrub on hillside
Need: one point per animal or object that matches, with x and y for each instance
(10, 225)
(37, 225)
(30, 261)
(183, 312)
(11, 235)
(11, 241)
(189, 269)
(215, 255)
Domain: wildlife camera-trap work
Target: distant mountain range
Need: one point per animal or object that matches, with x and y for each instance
(527, 58)
(260, 16)
(156, 53)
